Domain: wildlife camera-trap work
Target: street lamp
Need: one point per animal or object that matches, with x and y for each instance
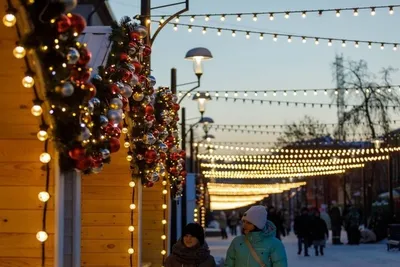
(198, 55)
(201, 99)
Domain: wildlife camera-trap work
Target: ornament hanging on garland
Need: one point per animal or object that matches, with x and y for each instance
(129, 90)
(76, 113)
(167, 118)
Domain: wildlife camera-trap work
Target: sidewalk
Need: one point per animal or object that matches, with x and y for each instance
(370, 255)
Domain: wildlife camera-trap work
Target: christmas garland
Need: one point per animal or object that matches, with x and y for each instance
(69, 97)
(167, 118)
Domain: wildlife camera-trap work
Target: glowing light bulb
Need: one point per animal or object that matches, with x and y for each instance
(304, 15)
(330, 43)
(255, 17)
(287, 15)
(132, 206)
(42, 135)
(343, 43)
(316, 41)
(163, 252)
(190, 29)
(36, 110)
(164, 221)
(247, 35)
(28, 81)
(356, 45)
(132, 184)
(19, 51)
(355, 12)
(131, 228)
(192, 19)
(164, 182)
(164, 206)
(261, 36)
(165, 191)
(177, 19)
(289, 39)
(45, 157)
(175, 27)
(395, 47)
(239, 18)
(373, 12)
(223, 18)
(233, 33)
(275, 37)
(163, 237)
(337, 13)
(207, 18)
(304, 40)
(382, 46)
(219, 32)
(44, 196)
(162, 19)
(131, 251)
(9, 19)
(391, 11)
(124, 130)
(271, 16)
(42, 236)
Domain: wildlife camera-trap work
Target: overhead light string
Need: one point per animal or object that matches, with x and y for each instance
(275, 36)
(271, 15)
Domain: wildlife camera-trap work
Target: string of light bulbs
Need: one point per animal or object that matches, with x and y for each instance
(296, 92)
(279, 167)
(164, 220)
(10, 20)
(289, 37)
(229, 205)
(272, 143)
(230, 189)
(301, 104)
(333, 160)
(286, 14)
(234, 175)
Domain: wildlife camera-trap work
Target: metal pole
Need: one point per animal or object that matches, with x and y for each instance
(365, 204)
(344, 191)
(390, 182)
(191, 164)
(316, 193)
(174, 213)
(145, 12)
(183, 198)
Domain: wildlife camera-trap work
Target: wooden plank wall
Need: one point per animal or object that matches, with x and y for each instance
(106, 215)
(21, 177)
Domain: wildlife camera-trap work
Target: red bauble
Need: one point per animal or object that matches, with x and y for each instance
(150, 117)
(173, 171)
(116, 132)
(170, 138)
(149, 184)
(175, 107)
(174, 156)
(84, 163)
(79, 77)
(114, 144)
(163, 155)
(127, 75)
(63, 24)
(183, 173)
(110, 69)
(156, 133)
(146, 51)
(138, 66)
(114, 89)
(123, 57)
(78, 23)
(84, 56)
(91, 89)
(77, 153)
(135, 35)
(149, 109)
(97, 161)
(150, 156)
(161, 128)
(182, 154)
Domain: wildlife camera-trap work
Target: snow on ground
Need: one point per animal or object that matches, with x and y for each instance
(364, 255)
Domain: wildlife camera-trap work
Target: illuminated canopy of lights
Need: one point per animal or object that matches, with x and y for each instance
(233, 174)
(254, 198)
(230, 205)
(279, 167)
(250, 189)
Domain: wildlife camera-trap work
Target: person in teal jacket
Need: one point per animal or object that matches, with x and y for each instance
(261, 235)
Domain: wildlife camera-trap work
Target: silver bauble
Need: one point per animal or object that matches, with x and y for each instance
(179, 167)
(97, 77)
(90, 107)
(161, 169)
(152, 80)
(103, 120)
(142, 30)
(96, 102)
(163, 147)
(153, 177)
(72, 56)
(105, 153)
(162, 135)
(131, 67)
(85, 134)
(138, 96)
(149, 139)
(134, 81)
(126, 91)
(115, 116)
(116, 103)
(174, 98)
(67, 89)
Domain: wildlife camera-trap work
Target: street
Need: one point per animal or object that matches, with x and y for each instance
(364, 255)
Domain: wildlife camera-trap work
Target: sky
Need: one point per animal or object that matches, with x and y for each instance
(250, 64)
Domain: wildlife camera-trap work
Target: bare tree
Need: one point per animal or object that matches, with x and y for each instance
(366, 104)
(306, 129)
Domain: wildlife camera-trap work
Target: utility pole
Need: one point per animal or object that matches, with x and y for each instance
(174, 208)
(183, 146)
(340, 96)
(145, 12)
(390, 185)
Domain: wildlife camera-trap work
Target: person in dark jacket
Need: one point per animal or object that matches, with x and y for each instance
(276, 219)
(336, 222)
(191, 250)
(319, 233)
(353, 221)
(302, 231)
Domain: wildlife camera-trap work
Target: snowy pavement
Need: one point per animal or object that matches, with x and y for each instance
(364, 255)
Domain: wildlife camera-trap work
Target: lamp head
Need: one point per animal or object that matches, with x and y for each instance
(201, 99)
(198, 55)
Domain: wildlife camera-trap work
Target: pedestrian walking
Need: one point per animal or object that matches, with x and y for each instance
(258, 246)
(233, 223)
(191, 250)
(336, 223)
(222, 221)
(319, 233)
(302, 229)
(352, 224)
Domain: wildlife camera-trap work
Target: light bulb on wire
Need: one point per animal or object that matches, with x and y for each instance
(28, 81)
(45, 157)
(42, 236)
(19, 51)
(9, 18)
(36, 110)
(42, 135)
(44, 196)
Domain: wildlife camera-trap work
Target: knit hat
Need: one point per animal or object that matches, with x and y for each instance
(195, 230)
(256, 215)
